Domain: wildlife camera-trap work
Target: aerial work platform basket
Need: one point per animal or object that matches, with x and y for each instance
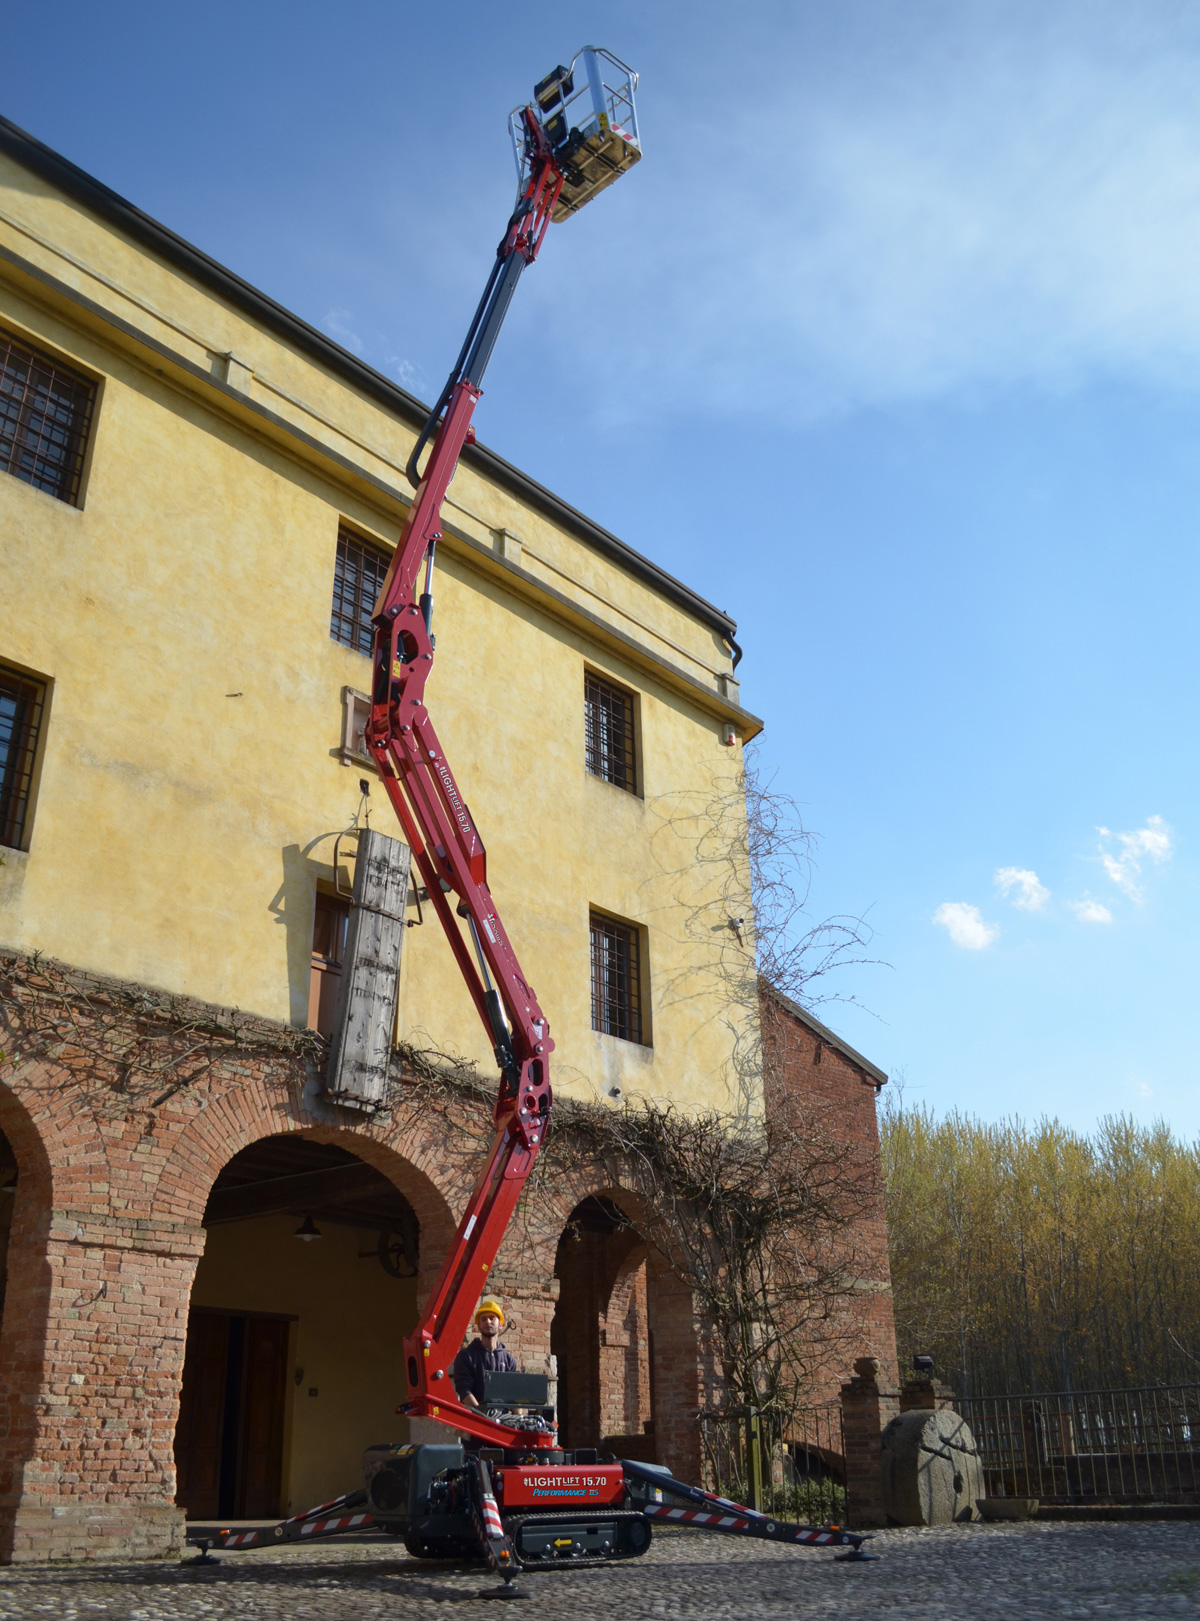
(589, 116)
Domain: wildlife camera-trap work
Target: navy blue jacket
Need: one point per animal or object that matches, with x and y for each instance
(473, 1361)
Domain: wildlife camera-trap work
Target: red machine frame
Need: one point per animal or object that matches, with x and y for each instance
(446, 845)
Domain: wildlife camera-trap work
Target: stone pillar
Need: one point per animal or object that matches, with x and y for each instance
(866, 1412)
(926, 1395)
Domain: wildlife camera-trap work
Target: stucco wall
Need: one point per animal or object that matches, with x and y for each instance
(180, 830)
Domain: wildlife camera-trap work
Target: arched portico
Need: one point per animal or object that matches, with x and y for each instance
(306, 1288)
(107, 1235)
(627, 1339)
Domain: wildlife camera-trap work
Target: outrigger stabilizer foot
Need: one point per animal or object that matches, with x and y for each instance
(204, 1557)
(855, 1556)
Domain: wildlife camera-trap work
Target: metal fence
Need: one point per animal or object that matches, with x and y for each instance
(792, 1465)
(1091, 1446)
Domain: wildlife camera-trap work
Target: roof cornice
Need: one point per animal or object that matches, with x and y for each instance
(51, 166)
(871, 1072)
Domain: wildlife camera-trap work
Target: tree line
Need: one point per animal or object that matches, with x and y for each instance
(1033, 1258)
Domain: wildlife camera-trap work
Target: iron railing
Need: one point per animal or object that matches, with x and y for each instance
(1091, 1446)
(790, 1465)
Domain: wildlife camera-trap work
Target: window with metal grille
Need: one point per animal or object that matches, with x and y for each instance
(608, 732)
(616, 979)
(22, 701)
(357, 577)
(45, 410)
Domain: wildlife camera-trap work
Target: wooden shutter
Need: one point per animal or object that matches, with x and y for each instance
(365, 1017)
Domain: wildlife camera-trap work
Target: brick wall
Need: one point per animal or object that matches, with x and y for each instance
(801, 1065)
(122, 1107)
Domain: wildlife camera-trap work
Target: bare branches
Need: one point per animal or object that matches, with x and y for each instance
(758, 1220)
(793, 951)
(137, 1046)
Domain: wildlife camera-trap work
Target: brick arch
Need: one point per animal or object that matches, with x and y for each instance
(592, 1311)
(244, 1116)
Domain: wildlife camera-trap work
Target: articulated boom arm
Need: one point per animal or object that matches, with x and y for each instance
(446, 846)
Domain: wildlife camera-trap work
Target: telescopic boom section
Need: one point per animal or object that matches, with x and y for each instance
(446, 845)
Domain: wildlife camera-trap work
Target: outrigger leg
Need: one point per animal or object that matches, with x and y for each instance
(713, 1513)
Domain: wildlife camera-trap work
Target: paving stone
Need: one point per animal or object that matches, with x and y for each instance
(1143, 1572)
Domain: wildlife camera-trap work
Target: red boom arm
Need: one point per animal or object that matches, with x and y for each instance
(449, 853)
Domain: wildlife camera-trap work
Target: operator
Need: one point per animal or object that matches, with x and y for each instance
(484, 1355)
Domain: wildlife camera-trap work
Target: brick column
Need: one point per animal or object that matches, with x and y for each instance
(679, 1378)
(925, 1395)
(866, 1412)
(95, 1476)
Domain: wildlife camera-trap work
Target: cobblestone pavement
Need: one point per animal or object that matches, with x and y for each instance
(981, 1572)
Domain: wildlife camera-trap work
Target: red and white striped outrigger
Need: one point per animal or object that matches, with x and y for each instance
(711, 1513)
(340, 1514)
(715, 1513)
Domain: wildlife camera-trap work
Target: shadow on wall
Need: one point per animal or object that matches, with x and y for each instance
(293, 905)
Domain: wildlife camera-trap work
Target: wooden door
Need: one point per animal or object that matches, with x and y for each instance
(229, 1439)
(264, 1397)
(202, 1415)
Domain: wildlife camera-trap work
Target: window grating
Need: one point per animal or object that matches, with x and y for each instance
(616, 979)
(358, 575)
(45, 410)
(608, 732)
(21, 704)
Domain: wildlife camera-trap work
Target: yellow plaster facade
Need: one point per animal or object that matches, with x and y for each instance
(189, 780)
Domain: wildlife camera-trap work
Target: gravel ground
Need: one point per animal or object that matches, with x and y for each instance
(983, 1573)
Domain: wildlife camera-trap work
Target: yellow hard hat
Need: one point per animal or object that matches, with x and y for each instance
(490, 1304)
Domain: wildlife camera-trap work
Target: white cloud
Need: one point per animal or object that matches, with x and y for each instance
(1031, 895)
(1149, 843)
(965, 925)
(1089, 911)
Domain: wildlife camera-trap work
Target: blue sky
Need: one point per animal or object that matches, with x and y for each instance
(891, 347)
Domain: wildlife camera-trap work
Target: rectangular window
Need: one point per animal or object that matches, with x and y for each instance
(45, 410)
(616, 979)
(358, 575)
(608, 732)
(330, 922)
(22, 701)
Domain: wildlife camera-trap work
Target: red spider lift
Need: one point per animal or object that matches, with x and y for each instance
(518, 1500)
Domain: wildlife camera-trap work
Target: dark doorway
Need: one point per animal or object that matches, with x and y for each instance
(8, 1195)
(600, 1332)
(229, 1440)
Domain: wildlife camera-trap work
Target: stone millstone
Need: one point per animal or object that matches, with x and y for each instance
(931, 1469)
